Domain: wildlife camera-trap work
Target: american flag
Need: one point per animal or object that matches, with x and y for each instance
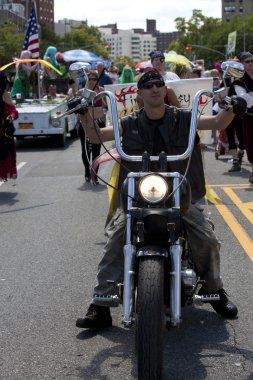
(31, 41)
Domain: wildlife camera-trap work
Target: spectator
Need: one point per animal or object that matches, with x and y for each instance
(8, 113)
(103, 77)
(49, 73)
(52, 94)
(196, 73)
(22, 82)
(72, 87)
(183, 71)
(63, 66)
(90, 150)
(216, 79)
(113, 73)
(127, 75)
(243, 87)
(158, 63)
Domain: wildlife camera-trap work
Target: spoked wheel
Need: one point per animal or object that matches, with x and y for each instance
(150, 319)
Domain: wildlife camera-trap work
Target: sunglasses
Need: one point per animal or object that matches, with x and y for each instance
(157, 59)
(93, 79)
(249, 61)
(149, 85)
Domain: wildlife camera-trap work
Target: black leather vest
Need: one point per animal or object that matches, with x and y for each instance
(137, 137)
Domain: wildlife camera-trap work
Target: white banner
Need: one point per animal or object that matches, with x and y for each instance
(185, 90)
(125, 96)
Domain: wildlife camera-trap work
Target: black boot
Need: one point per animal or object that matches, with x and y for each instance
(224, 306)
(240, 155)
(97, 317)
(236, 167)
(87, 176)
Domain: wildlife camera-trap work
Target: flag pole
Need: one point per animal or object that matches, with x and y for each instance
(38, 72)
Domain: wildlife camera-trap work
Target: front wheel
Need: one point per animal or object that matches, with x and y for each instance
(150, 319)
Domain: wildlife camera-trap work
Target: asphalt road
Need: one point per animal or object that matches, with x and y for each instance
(51, 229)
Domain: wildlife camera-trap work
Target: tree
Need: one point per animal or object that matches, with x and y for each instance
(48, 38)
(122, 61)
(10, 45)
(208, 36)
(86, 38)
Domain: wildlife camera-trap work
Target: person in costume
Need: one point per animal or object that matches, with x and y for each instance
(22, 81)
(8, 113)
(49, 73)
(127, 75)
(63, 66)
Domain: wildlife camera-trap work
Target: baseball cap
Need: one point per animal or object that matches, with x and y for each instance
(148, 76)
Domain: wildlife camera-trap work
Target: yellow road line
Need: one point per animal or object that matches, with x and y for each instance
(243, 238)
(237, 201)
(243, 185)
(249, 205)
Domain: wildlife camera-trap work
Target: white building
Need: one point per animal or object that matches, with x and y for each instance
(65, 26)
(128, 43)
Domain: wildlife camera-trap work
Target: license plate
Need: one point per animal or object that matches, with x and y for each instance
(25, 125)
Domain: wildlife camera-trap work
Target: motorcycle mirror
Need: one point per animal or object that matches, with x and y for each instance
(79, 69)
(233, 68)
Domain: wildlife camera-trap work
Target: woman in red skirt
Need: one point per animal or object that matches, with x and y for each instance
(8, 113)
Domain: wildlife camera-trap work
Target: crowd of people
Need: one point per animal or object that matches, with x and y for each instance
(238, 134)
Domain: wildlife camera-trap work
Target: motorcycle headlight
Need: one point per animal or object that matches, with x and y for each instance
(153, 188)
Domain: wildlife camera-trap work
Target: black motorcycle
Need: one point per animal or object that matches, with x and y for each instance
(159, 273)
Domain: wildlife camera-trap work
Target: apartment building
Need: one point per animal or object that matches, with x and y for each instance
(22, 8)
(12, 13)
(232, 8)
(129, 43)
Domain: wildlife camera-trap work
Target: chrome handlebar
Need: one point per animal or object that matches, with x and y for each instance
(115, 123)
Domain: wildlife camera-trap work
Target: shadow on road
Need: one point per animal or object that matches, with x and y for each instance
(202, 339)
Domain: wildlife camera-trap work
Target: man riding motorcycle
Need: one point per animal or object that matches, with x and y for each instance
(155, 128)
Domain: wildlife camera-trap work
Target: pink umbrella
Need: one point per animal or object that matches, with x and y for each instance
(143, 65)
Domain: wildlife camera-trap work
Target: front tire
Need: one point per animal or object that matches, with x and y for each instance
(150, 319)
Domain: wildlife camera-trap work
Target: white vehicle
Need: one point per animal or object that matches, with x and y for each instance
(39, 117)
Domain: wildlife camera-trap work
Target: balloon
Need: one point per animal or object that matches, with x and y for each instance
(41, 61)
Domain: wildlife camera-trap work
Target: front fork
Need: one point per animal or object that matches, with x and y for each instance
(175, 252)
(128, 289)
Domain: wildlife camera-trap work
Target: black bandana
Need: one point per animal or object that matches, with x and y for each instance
(148, 76)
(244, 55)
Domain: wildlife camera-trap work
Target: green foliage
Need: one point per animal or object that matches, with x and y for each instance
(47, 38)
(10, 43)
(208, 33)
(211, 36)
(122, 61)
(83, 37)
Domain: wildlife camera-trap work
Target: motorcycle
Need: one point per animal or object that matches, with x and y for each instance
(159, 273)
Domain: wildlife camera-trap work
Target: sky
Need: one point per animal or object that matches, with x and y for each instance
(133, 14)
